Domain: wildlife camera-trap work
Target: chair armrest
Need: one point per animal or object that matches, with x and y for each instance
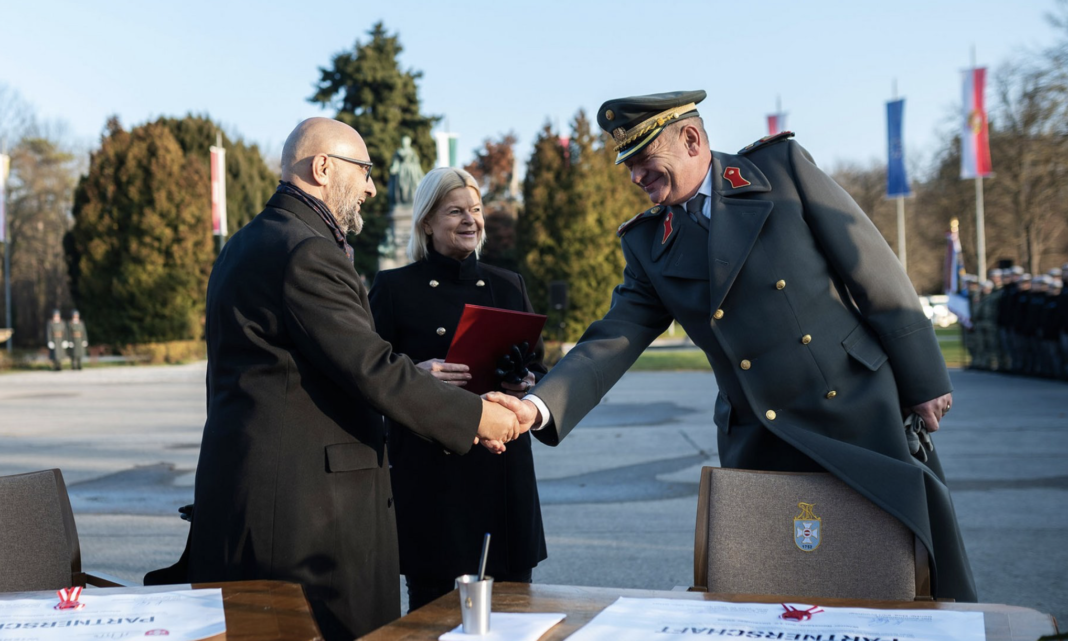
(101, 580)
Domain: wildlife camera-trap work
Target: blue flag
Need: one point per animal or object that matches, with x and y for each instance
(897, 181)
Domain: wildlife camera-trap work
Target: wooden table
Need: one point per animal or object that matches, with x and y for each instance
(1003, 622)
(255, 610)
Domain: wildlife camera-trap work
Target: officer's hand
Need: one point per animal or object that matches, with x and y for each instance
(497, 423)
(451, 373)
(933, 410)
(525, 411)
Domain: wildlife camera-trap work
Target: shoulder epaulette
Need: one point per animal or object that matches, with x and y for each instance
(767, 140)
(648, 214)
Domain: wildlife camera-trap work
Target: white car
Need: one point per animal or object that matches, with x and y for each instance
(936, 309)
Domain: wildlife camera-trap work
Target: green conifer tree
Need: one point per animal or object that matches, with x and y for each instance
(249, 181)
(373, 95)
(140, 249)
(575, 199)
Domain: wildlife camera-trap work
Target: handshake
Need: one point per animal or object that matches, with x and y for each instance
(504, 418)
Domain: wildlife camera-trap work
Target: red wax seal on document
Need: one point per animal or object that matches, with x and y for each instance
(794, 614)
(68, 599)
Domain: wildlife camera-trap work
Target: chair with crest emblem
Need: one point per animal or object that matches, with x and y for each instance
(39, 547)
(801, 535)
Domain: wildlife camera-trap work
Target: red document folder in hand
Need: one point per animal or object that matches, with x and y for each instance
(484, 335)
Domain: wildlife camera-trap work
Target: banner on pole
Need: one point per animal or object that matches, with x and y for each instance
(5, 165)
(974, 135)
(447, 147)
(776, 123)
(897, 180)
(953, 277)
(218, 191)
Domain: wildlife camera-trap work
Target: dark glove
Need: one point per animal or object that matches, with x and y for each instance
(512, 367)
(919, 439)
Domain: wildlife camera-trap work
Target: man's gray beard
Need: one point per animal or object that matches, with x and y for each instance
(345, 205)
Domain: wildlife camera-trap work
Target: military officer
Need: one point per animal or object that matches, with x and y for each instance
(813, 330)
(56, 337)
(79, 339)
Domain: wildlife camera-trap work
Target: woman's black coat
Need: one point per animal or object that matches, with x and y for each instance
(445, 502)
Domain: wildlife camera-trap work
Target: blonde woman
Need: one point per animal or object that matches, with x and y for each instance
(445, 503)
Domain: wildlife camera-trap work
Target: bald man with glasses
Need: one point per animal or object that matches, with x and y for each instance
(293, 478)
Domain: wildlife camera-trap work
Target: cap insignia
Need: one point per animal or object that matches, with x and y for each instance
(619, 134)
(609, 114)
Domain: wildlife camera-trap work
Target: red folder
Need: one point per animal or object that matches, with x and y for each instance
(484, 335)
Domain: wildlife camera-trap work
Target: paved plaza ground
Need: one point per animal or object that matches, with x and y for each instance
(619, 495)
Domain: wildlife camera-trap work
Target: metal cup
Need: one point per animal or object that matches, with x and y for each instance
(475, 601)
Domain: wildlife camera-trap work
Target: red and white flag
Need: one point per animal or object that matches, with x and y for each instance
(218, 191)
(974, 135)
(776, 123)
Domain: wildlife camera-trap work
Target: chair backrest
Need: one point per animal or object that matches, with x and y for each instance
(38, 540)
(801, 534)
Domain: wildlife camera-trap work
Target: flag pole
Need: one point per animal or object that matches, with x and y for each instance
(980, 218)
(7, 241)
(902, 255)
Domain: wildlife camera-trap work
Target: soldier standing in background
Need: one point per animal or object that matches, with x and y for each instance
(56, 337)
(1049, 332)
(969, 328)
(984, 319)
(79, 340)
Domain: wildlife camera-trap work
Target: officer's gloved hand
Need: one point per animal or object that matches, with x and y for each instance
(51, 345)
(512, 367)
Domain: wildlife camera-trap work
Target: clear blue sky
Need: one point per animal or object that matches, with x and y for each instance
(491, 67)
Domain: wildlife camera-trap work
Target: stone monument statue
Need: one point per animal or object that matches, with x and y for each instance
(404, 174)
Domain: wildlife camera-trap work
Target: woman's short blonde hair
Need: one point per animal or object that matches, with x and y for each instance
(431, 191)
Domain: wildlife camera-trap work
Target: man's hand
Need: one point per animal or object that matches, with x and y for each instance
(497, 426)
(933, 410)
(525, 411)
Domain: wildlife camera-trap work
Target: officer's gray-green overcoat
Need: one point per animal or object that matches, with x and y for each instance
(813, 330)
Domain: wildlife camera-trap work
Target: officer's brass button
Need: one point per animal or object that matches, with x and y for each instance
(433, 283)
(480, 283)
(609, 115)
(770, 414)
(806, 339)
(746, 364)
(441, 331)
(832, 394)
(718, 315)
(780, 285)
(655, 210)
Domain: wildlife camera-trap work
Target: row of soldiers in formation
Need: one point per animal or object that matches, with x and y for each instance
(66, 338)
(1019, 323)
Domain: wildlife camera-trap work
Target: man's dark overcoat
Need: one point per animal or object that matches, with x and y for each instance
(440, 526)
(293, 479)
(813, 330)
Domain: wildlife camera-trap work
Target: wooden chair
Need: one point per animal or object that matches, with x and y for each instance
(38, 539)
(747, 541)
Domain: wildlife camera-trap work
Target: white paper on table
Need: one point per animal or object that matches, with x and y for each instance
(510, 626)
(180, 615)
(642, 619)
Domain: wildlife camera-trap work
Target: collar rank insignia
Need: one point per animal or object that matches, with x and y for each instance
(667, 226)
(733, 175)
(807, 533)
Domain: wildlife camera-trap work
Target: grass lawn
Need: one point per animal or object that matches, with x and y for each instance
(661, 360)
(658, 360)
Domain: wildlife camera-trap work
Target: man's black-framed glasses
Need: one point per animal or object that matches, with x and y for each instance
(366, 164)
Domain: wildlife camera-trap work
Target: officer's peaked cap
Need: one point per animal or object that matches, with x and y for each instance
(636, 121)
